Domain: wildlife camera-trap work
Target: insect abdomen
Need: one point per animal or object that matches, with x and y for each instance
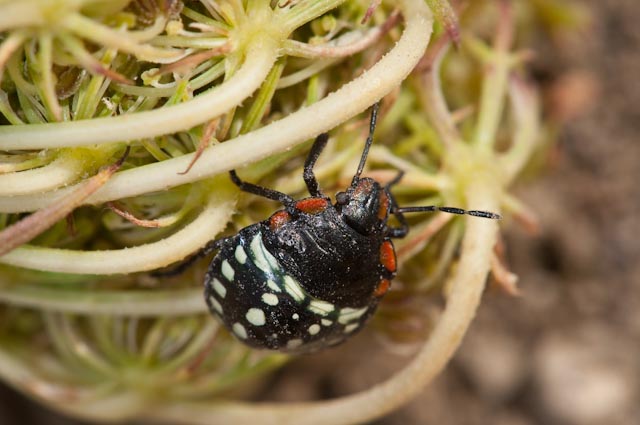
(266, 307)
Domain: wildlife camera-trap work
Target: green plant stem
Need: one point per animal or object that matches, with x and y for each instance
(150, 32)
(62, 171)
(433, 100)
(190, 42)
(212, 73)
(21, 14)
(160, 303)
(346, 45)
(526, 108)
(105, 36)
(307, 72)
(46, 77)
(306, 10)
(213, 218)
(491, 101)
(446, 16)
(9, 45)
(29, 227)
(28, 162)
(261, 55)
(7, 110)
(494, 85)
(262, 98)
(348, 101)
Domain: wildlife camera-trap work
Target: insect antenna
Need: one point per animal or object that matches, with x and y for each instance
(450, 210)
(367, 144)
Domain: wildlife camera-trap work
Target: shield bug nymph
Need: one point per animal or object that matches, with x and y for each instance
(313, 273)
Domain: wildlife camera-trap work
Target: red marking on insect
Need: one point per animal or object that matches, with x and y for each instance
(312, 205)
(388, 256)
(278, 219)
(382, 287)
(383, 210)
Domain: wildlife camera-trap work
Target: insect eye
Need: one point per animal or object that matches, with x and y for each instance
(342, 198)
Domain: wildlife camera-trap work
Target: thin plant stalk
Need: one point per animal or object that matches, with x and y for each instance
(278, 136)
(212, 219)
(28, 228)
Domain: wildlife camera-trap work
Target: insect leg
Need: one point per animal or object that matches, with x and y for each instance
(451, 210)
(367, 144)
(261, 191)
(395, 180)
(396, 232)
(308, 175)
(188, 262)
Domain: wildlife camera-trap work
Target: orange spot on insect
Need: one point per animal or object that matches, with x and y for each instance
(382, 287)
(278, 219)
(312, 205)
(388, 256)
(384, 206)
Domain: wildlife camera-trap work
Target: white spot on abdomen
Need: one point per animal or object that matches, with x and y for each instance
(255, 316)
(241, 256)
(293, 288)
(274, 286)
(262, 257)
(350, 328)
(294, 343)
(320, 307)
(314, 329)
(227, 271)
(350, 314)
(219, 288)
(239, 330)
(270, 299)
(215, 304)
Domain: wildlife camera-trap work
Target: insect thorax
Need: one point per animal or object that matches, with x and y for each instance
(332, 261)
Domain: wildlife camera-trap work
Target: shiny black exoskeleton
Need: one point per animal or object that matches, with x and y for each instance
(312, 274)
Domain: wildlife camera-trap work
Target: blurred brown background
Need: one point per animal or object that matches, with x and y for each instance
(567, 351)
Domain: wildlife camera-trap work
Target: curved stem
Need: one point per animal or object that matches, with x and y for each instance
(307, 72)
(260, 58)
(63, 170)
(432, 95)
(467, 285)
(161, 303)
(20, 14)
(9, 45)
(24, 162)
(306, 10)
(102, 35)
(446, 16)
(151, 256)
(47, 82)
(526, 112)
(25, 376)
(494, 85)
(345, 45)
(212, 73)
(150, 32)
(24, 230)
(351, 99)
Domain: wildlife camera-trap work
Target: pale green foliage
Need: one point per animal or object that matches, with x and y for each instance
(197, 89)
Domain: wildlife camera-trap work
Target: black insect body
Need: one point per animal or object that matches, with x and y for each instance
(312, 274)
(304, 279)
